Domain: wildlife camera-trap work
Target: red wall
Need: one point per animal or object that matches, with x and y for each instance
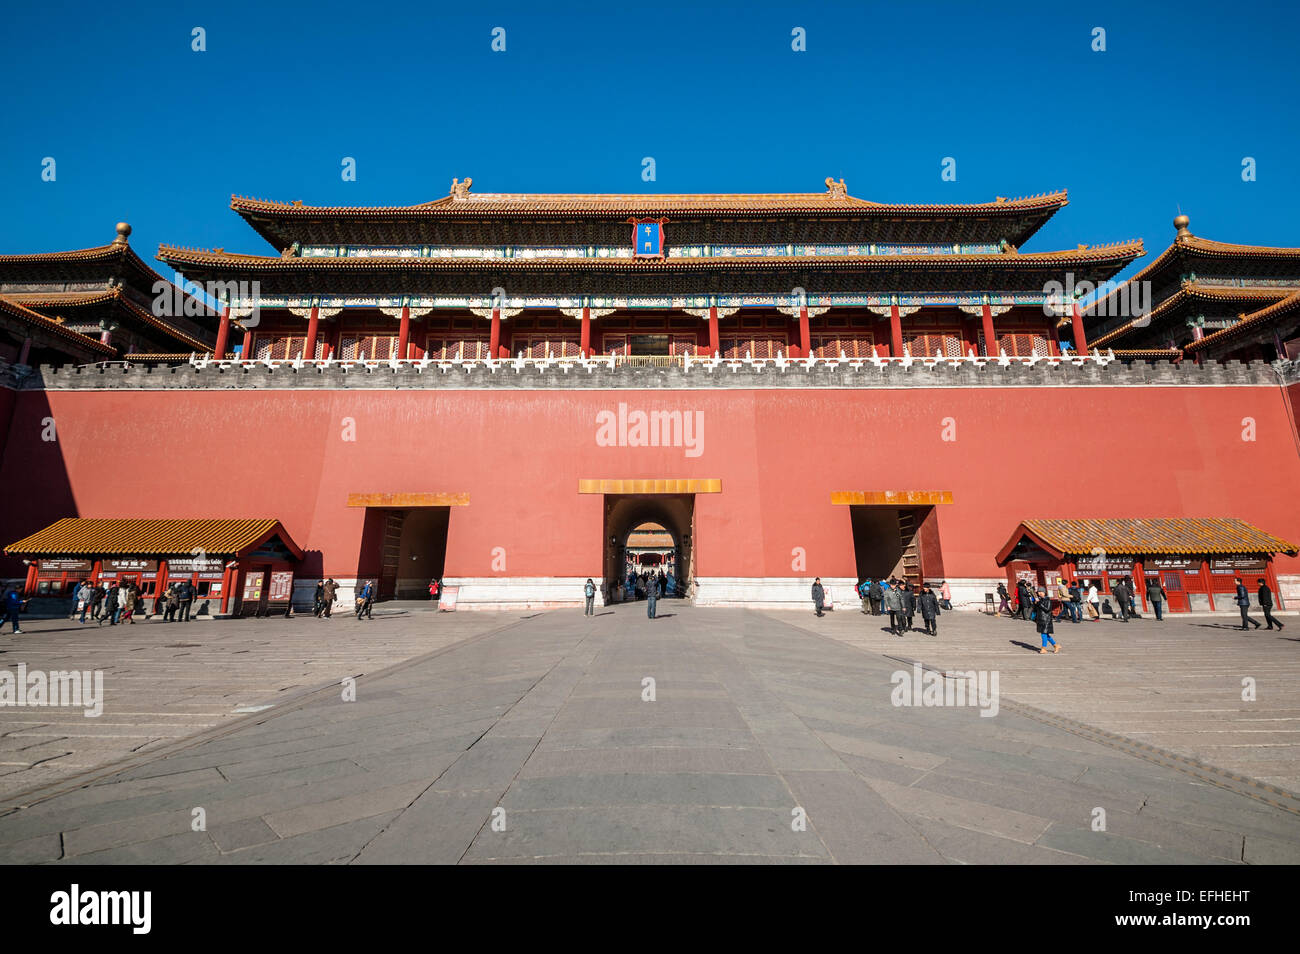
(1019, 453)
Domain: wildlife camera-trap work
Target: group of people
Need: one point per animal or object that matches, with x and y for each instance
(1073, 597)
(637, 586)
(117, 602)
(902, 600)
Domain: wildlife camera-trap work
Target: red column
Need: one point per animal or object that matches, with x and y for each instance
(404, 332)
(585, 346)
(30, 586)
(715, 342)
(1080, 340)
(26, 352)
(990, 338)
(248, 344)
(895, 332)
(805, 336)
(494, 338)
(313, 331)
(223, 333)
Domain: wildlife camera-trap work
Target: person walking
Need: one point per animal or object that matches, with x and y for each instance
(110, 606)
(365, 600)
(128, 599)
(893, 605)
(171, 603)
(83, 599)
(909, 605)
(1076, 602)
(97, 601)
(1156, 597)
(1093, 601)
(875, 594)
(945, 595)
(318, 599)
(818, 596)
(651, 596)
(185, 597)
(1063, 597)
(327, 596)
(1025, 596)
(435, 586)
(589, 592)
(1045, 628)
(13, 606)
(930, 611)
(1004, 599)
(1243, 603)
(862, 595)
(1119, 593)
(1265, 597)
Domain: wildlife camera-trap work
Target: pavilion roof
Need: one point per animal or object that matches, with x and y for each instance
(1187, 536)
(180, 256)
(1290, 305)
(281, 223)
(1190, 293)
(22, 313)
(83, 536)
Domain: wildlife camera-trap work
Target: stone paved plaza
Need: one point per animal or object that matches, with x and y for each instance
(529, 737)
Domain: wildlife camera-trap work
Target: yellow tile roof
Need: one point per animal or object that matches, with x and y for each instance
(80, 536)
(1174, 535)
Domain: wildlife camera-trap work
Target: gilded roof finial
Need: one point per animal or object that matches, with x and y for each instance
(1180, 223)
(123, 233)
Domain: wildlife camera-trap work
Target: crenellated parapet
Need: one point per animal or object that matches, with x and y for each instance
(694, 374)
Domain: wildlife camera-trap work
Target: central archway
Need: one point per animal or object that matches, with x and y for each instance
(647, 525)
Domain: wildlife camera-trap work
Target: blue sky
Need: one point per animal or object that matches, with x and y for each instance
(144, 129)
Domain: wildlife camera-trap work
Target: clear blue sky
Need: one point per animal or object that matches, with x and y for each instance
(144, 129)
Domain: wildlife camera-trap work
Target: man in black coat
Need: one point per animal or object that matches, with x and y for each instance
(1265, 597)
(930, 611)
(818, 596)
(1026, 597)
(1119, 595)
(909, 605)
(1243, 603)
(875, 593)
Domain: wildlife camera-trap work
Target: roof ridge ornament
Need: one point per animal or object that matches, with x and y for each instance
(836, 190)
(123, 233)
(460, 190)
(1181, 223)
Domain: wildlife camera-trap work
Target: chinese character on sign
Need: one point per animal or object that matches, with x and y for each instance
(648, 239)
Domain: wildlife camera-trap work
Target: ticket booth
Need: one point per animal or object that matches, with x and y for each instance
(234, 567)
(1196, 561)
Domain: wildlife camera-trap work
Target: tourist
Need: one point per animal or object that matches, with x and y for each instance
(13, 606)
(1024, 599)
(1156, 596)
(171, 603)
(1062, 597)
(435, 587)
(818, 596)
(652, 596)
(1130, 590)
(589, 591)
(875, 595)
(1243, 603)
(909, 605)
(365, 600)
(862, 596)
(318, 599)
(1093, 601)
(185, 596)
(930, 611)
(945, 595)
(893, 604)
(97, 595)
(128, 599)
(84, 593)
(110, 605)
(1004, 598)
(1076, 602)
(1265, 597)
(1119, 593)
(327, 597)
(1045, 629)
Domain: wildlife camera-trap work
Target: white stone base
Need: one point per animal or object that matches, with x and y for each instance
(793, 592)
(523, 592)
(1288, 588)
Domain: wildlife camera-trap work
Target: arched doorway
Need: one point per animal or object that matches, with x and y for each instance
(648, 533)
